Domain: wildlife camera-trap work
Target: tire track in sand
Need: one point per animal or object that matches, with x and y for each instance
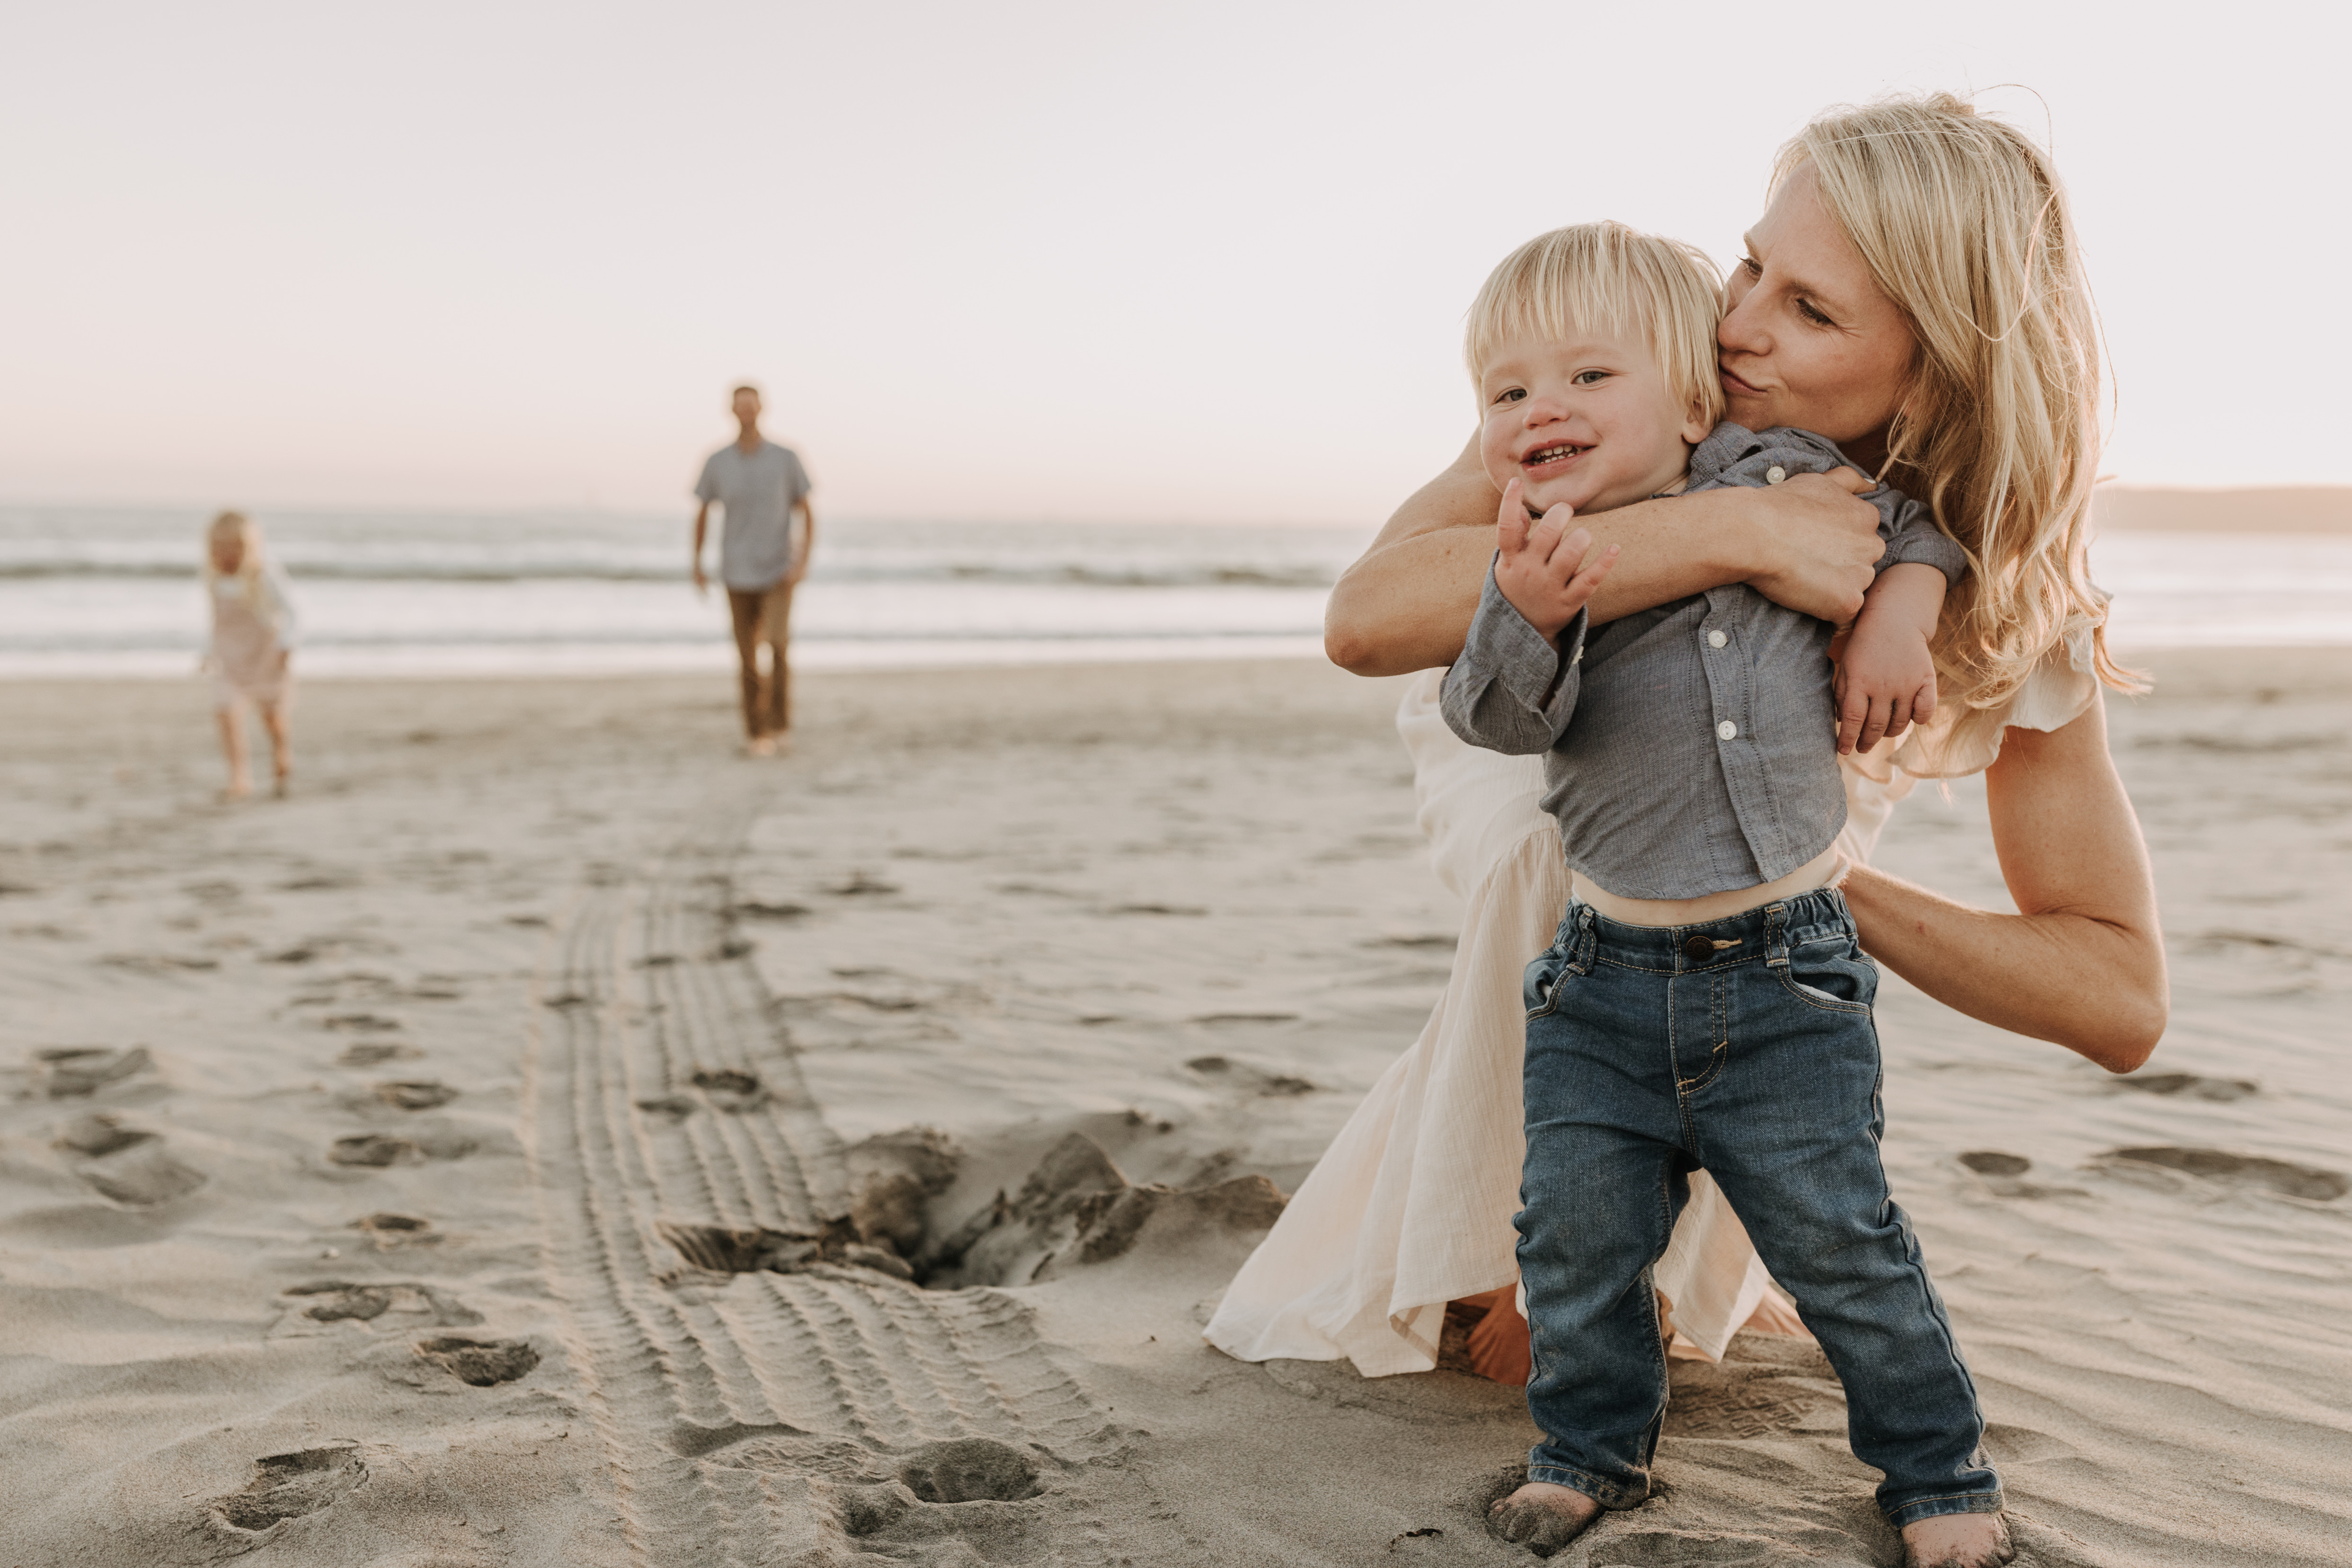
(702, 1392)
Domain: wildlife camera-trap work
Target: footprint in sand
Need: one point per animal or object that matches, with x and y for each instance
(373, 1149)
(84, 1070)
(731, 1090)
(375, 1053)
(338, 1301)
(390, 1231)
(127, 1164)
(414, 1095)
(963, 1469)
(2219, 1164)
(289, 1486)
(481, 1363)
(1764, 1383)
(428, 1139)
(1253, 1079)
(2190, 1083)
(370, 1021)
(2001, 1172)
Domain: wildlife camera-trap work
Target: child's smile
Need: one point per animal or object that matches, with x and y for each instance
(1587, 421)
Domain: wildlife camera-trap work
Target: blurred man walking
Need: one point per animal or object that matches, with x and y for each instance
(763, 551)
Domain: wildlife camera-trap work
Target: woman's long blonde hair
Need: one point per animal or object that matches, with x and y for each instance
(1964, 224)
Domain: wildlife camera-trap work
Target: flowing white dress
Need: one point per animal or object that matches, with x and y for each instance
(1411, 1207)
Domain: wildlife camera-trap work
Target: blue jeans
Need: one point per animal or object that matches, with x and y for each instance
(1743, 1047)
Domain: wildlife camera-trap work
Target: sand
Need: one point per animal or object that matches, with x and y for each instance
(452, 1162)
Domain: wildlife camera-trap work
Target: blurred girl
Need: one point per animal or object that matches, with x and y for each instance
(253, 639)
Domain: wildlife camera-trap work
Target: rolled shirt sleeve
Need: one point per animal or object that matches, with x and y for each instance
(1512, 690)
(1913, 538)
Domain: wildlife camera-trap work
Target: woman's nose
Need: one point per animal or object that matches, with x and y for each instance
(1742, 330)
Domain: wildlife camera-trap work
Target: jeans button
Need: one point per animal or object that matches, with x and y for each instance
(1698, 947)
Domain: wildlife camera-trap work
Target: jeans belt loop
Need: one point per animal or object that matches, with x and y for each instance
(1775, 936)
(1580, 950)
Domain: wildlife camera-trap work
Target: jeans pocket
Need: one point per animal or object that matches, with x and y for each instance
(1539, 987)
(1834, 976)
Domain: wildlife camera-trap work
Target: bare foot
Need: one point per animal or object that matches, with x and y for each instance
(283, 786)
(1542, 1517)
(759, 746)
(239, 788)
(1956, 1540)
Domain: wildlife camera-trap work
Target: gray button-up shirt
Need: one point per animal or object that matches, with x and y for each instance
(1689, 748)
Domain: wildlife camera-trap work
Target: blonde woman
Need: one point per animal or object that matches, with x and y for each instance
(251, 653)
(1912, 293)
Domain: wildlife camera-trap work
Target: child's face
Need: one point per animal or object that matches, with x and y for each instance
(228, 553)
(1588, 419)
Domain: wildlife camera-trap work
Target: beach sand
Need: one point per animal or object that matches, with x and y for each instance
(447, 1166)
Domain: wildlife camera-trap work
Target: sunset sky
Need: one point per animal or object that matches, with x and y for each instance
(1068, 261)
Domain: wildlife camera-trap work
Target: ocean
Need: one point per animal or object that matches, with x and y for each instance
(88, 591)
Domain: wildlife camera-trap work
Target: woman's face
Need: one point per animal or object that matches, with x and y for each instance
(1807, 340)
(228, 552)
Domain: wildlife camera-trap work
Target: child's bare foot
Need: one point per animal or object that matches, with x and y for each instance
(282, 786)
(239, 788)
(1956, 1540)
(759, 746)
(1542, 1517)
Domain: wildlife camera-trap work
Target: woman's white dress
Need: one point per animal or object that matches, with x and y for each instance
(1411, 1207)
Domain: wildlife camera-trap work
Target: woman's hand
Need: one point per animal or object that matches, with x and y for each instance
(1819, 544)
(1548, 568)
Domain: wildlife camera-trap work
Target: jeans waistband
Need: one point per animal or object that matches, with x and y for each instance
(1763, 934)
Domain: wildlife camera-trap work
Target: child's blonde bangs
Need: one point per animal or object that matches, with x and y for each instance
(1609, 278)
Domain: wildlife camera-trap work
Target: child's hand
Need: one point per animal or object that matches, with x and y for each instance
(1885, 681)
(1543, 570)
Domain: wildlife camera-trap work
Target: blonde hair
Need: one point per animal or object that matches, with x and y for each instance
(1964, 225)
(248, 539)
(1616, 279)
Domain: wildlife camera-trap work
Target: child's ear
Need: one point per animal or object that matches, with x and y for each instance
(1695, 424)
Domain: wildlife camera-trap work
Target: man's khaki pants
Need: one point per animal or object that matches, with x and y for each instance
(763, 616)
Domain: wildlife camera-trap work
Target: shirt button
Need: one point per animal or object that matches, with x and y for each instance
(1726, 730)
(1717, 639)
(1775, 473)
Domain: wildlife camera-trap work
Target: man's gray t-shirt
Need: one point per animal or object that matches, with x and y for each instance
(757, 492)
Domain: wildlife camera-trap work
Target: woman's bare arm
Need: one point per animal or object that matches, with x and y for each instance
(1406, 603)
(2083, 962)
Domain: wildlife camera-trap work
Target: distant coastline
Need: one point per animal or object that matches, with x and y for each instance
(2280, 509)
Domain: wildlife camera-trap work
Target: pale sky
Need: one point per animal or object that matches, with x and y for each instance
(1029, 260)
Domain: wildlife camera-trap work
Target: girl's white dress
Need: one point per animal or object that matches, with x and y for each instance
(1411, 1207)
(253, 633)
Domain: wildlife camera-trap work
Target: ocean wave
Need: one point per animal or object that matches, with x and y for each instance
(1073, 574)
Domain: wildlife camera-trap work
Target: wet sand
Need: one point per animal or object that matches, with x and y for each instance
(510, 1149)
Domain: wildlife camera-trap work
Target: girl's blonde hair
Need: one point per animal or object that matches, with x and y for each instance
(1964, 224)
(1619, 280)
(248, 539)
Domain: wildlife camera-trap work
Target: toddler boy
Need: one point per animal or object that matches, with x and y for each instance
(1705, 1004)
